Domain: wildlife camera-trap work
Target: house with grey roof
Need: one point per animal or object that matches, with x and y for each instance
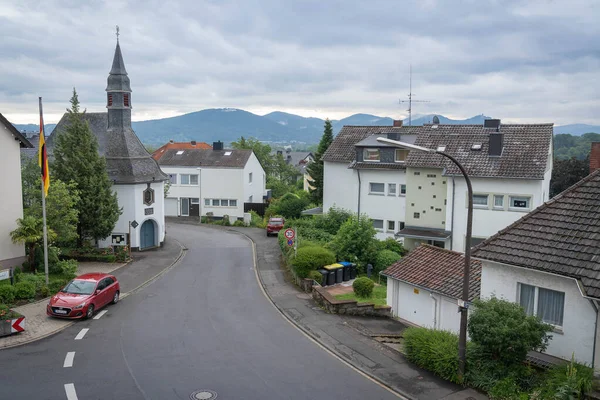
(549, 262)
(422, 197)
(11, 142)
(217, 180)
(300, 160)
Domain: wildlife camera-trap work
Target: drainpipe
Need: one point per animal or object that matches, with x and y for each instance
(358, 171)
(452, 213)
(595, 336)
(435, 310)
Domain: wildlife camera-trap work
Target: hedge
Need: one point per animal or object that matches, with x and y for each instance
(311, 258)
(24, 290)
(434, 350)
(7, 294)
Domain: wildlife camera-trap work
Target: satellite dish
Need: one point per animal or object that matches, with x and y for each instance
(436, 120)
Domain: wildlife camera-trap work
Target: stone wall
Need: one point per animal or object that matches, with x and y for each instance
(348, 307)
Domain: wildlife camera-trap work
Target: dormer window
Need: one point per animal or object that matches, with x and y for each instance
(126, 99)
(109, 99)
(401, 155)
(371, 155)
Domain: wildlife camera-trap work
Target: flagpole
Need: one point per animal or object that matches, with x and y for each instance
(42, 132)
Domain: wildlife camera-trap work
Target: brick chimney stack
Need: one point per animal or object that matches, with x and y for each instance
(595, 157)
(397, 123)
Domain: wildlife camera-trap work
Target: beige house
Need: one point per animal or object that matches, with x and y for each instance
(11, 141)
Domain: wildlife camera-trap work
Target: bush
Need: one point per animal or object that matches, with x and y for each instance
(315, 276)
(568, 381)
(122, 253)
(17, 272)
(37, 280)
(355, 241)
(506, 389)
(314, 235)
(256, 220)
(393, 245)
(363, 287)
(225, 221)
(67, 268)
(289, 205)
(7, 313)
(384, 259)
(238, 223)
(7, 294)
(57, 285)
(24, 290)
(332, 220)
(501, 331)
(434, 350)
(311, 258)
(44, 291)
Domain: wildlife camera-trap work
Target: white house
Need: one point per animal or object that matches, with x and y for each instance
(11, 141)
(422, 197)
(548, 261)
(216, 180)
(423, 288)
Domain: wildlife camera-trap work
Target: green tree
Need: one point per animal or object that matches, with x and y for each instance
(284, 172)
(315, 169)
(355, 241)
(262, 151)
(566, 173)
(30, 232)
(77, 160)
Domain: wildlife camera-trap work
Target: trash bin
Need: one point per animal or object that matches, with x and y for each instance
(324, 274)
(353, 271)
(338, 273)
(330, 277)
(347, 267)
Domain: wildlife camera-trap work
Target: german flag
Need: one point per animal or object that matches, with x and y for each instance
(43, 155)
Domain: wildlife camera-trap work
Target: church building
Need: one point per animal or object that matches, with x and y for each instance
(137, 178)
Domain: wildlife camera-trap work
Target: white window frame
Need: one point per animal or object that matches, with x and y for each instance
(536, 302)
(189, 179)
(377, 193)
(516, 197)
(390, 191)
(501, 206)
(487, 200)
(393, 228)
(194, 177)
(400, 151)
(372, 150)
(382, 225)
(402, 187)
(173, 179)
(210, 203)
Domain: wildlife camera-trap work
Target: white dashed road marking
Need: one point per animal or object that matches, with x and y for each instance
(81, 334)
(100, 314)
(69, 359)
(70, 390)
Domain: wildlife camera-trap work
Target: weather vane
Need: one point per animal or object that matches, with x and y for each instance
(117, 33)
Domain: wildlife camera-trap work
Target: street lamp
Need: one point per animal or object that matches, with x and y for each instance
(462, 339)
(199, 194)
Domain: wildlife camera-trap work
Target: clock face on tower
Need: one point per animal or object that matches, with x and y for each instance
(148, 196)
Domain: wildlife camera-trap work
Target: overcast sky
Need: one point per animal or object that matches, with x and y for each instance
(521, 61)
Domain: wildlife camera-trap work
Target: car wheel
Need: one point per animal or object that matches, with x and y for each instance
(90, 312)
(115, 299)
(268, 234)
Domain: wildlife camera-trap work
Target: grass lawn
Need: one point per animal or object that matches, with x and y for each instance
(378, 297)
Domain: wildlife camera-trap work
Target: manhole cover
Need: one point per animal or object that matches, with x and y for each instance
(203, 394)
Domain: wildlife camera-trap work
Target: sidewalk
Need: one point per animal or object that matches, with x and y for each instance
(142, 270)
(349, 337)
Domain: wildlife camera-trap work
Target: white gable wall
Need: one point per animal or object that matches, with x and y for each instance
(12, 198)
(579, 319)
(257, 188)
(340, 187)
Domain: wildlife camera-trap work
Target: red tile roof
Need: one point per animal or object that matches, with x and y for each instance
(179, 146)
(438, 270)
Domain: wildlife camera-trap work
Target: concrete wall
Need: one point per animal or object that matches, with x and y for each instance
(578, 330)
(426, 195)
(340, 187)
(257, 188)
(12, 198)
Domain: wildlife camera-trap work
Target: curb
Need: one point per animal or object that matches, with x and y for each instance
(311, 336)
(182, 252)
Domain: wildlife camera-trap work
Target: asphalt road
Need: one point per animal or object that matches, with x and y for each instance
(203, 325)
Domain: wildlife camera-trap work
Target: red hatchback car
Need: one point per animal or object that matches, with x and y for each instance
(274, 225)
(84, 295)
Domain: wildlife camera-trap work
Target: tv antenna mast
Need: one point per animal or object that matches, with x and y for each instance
(410, 99)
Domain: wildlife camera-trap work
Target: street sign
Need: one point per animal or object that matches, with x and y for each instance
(290, 242)
(17, 325)
(4, 274)
(289, 233)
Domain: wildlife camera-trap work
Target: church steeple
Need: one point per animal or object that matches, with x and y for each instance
(118, 92)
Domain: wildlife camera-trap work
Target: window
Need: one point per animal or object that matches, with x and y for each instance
(438, 209)
(224, 203)
(250, 177)
(193, 179)
(207, 202)
(126, 99)
(371, 155)
(216, 202)
(391, 226)
(431, 175)
(250, 199)
(195, 201)
(179, 152)
(400, 225)
(498, 201)
(475, 241)
(416, 215)
(520, 202)
(110, 99)
(391, 189)
(185, 179)
(544, 303)
(401, 155)
(173, 179)
(232, 203)
(402, 189)
(376, 188)
(480, 200)
(437, 243)
(378, 224)
(417, 173)
(219, 202)
(227, 153)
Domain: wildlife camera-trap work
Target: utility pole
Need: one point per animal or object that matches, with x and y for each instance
(410, 100)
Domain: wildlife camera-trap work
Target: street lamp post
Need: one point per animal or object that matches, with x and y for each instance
(462, 339)
(199, 194)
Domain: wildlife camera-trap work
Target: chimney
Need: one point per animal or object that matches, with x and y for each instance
(492, 123)
(193, 142)
(218, 145)
(496, 144)
(595, 157)
(279, 153)
(171, 141)
(397, 123)
(289, 158)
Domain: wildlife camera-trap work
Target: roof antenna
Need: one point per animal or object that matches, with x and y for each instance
(410, 100)
(117, 33)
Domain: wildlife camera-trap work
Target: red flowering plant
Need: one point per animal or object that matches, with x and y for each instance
(7, 314)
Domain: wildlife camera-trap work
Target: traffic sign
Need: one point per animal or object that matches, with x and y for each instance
(17, 325)
(290, 242)
(289, 233)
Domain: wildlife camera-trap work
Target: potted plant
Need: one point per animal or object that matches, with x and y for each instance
(10, 321)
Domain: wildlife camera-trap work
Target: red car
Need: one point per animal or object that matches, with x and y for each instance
(84, 295)
(274, 225)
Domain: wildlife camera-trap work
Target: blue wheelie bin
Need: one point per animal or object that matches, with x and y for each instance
(347, 268)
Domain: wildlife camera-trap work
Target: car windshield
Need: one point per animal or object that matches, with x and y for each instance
(80, 287)
(276, 222)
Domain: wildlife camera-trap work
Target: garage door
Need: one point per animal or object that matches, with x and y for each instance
(171, 206)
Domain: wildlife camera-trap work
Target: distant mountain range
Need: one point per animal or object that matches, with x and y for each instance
(228, 124)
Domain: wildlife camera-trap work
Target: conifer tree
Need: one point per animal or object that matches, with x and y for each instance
(76, 159)
(315, 169)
